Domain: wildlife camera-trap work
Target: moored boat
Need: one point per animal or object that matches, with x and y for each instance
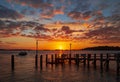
(23, 53)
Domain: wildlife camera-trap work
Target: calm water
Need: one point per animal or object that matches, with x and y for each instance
(25, 69)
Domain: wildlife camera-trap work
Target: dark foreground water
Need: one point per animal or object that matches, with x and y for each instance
(25, 70)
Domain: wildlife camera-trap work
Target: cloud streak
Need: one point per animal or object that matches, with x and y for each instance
(9, 13)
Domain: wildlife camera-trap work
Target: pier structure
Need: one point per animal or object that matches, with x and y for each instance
(85, 59)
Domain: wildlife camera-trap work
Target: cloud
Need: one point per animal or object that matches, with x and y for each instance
(33, 3)
(80, 15)
(7, 28)
(10, 28)
(28, 12)
(75, 15)
(41, 28)
(9, 13)
(87, 15)
(58, 11)
(104, 35)
(51, 12)
(5, 44)
(81, 5)
(47, 15)
(67, 30)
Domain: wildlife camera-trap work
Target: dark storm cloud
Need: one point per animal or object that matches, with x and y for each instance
(9, 13)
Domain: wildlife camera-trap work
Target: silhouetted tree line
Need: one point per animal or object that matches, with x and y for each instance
(103, 48)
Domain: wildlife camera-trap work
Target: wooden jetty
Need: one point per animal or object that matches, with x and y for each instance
(85, 59)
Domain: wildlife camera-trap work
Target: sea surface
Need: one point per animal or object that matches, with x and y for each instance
(25, 70)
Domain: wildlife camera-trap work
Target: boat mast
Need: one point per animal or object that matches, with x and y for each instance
(70, 48)
(36, 47)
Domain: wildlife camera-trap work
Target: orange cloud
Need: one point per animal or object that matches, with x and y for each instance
(87, 17)
(57, 11)
(46, 16)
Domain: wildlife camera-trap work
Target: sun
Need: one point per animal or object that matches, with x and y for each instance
(61, 47)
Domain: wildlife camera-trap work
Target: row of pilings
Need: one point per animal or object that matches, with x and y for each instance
(85, 59)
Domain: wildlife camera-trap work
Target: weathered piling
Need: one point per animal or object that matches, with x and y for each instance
(70, 59)
(36, 61)
(88, 60)
(77, 59)
(46, 59)
(56, 60)
(41, 61)
(94, 61)
(101, 62)
(84, 59)
(12, 62)
(107, 62)
(62, 59)
(52, 59)
(118, 64)
(118, 69)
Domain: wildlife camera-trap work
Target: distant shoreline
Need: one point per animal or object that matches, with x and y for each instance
(103, 48)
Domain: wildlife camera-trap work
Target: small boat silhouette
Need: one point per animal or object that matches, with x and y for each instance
(23, 53)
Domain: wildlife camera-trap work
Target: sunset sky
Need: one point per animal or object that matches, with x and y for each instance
(57, 23)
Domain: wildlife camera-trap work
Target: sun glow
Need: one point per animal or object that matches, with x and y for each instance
(61, 47)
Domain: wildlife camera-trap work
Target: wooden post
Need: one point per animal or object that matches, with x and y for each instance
(62, 59)
(41, 60)
(70, 48)
(70, 59)
(88, 60)
(77, 59)
(94, 61)
(46, 59)
(36, 61)
(12, 62)
(118, 64)
(56, 59)
(84, 59)
(118, 68)
(52, 59)
(107, 63)
(101, 62)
